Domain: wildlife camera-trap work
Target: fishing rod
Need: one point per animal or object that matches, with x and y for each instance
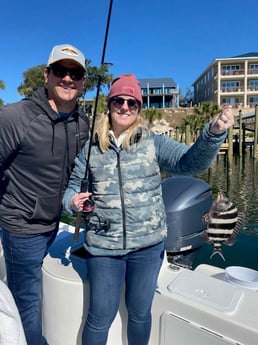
(89, 203)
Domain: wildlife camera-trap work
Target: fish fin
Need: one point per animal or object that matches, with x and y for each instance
(238, 227)
(240, 222)
(219, 252)
(206, 218)
(206, 237)
(231, 240)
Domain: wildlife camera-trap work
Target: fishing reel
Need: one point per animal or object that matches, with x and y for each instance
(88, 213)
(88, 208)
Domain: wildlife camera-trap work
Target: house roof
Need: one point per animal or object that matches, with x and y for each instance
(157, 82)
(252, 54)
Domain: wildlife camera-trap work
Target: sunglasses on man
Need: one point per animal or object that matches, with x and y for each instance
(60, 71)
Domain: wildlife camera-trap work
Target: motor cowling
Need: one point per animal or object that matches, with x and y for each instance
(186, 201)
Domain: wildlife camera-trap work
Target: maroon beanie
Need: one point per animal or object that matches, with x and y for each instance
(127, 85)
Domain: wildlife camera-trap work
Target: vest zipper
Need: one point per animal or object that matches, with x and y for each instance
(122, 199)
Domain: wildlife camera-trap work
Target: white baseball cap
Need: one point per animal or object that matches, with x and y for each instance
(66, 52)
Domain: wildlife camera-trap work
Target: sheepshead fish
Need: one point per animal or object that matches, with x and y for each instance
(224, 222)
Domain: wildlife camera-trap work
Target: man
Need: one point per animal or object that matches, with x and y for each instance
(39, 139)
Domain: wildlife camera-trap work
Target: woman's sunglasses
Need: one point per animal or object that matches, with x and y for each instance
(119, 101)
(61, 71)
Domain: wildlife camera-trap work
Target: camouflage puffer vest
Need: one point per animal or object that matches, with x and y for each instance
(129, 211)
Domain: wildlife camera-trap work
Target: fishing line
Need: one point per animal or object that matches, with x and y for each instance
(84, 183)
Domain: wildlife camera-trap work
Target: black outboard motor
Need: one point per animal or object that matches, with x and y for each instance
(186, 201)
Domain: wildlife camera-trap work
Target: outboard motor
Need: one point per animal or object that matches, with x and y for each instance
(186, 201)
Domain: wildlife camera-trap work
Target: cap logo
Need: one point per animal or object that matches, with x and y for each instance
(128, 90)
(69, 51)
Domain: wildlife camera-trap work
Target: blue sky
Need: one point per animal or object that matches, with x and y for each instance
(150, 38)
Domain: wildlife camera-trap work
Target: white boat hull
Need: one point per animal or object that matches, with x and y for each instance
(190, 307)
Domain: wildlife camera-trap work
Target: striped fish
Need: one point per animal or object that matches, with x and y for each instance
(223, 224)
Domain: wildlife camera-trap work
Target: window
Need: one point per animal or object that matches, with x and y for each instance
(253, 68)
(168, 90)
(253, 100)
(230, 86)
(230, 69)
(253, 83)
(230, 100)
(156, 91)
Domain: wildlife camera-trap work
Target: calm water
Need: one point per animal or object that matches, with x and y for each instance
(237, 177)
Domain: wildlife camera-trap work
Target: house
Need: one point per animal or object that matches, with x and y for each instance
(159, 93)
(229, 80)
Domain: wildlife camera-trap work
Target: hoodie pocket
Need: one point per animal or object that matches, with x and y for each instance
(47, 209)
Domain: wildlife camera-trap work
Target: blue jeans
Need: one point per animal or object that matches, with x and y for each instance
(23, 258)
(139, 271)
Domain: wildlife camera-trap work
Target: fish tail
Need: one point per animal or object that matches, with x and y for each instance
(219, 253)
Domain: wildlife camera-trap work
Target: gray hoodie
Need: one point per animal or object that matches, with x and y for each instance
(37, 151)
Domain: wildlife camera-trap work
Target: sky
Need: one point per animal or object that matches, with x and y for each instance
(149, 38)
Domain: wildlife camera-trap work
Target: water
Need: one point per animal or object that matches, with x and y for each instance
(237, 177)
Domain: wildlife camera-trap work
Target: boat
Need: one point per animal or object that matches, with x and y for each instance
(201, 305)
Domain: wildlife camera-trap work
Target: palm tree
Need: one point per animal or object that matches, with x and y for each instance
(207, 110)
(201, 115)
(151, 115)
(2, 87)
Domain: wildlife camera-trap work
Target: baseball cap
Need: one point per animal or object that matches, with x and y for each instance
(66, 52)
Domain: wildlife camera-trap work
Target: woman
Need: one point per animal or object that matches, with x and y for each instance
(125, 236)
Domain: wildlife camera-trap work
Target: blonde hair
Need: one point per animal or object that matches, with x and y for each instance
(103, 125)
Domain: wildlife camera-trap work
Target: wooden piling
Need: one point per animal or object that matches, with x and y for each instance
(177, 134)
(255, 148)
(230, 141)
(187, 133)
(240, 133)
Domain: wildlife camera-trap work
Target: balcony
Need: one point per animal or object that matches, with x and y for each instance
(252, 88)
(232, 73)
(235, 89)
(252, 71)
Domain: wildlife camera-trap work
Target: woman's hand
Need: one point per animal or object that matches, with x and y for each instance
(222, 121)
(78, 199)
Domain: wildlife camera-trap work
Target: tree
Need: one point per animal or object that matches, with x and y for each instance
(196, 123)
(207, 110)
(34, 78)
(188, 99)
(202, 114)
(151, 114)
(96, 75)
(102, 104)
(2, 87)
